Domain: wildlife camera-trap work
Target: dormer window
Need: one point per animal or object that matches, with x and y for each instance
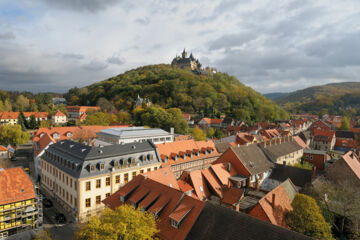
(56, 136)
(122, 199)
(116, 163)
(69, 134)
(150, 157)
(174, 223)
(121, 162)
(42, 134)
(92, 168)
(102, 166)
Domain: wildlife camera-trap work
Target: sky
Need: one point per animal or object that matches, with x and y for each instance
(271, 46)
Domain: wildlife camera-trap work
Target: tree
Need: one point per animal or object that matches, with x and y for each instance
(7, 106)
(345, 125)
(123, 223)
(98, 118)
(83, 135)
(33, 124)
(306, 218)
(12, 134)
(198, 134)
(124, 117)
(22, 121)
(210, 132)
(105, 105)
(22, 103)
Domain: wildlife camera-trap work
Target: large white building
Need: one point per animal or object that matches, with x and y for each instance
(135, 134)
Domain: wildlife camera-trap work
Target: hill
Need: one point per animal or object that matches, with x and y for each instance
(335, 98)
(201, 95)
(275, 95)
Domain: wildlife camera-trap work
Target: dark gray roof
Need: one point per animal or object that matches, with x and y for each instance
(344, 134)
(305, 136)
(221, 147)
(300, 177)
(80, 157)
(277, 150)
(253, 158)
(217, 222)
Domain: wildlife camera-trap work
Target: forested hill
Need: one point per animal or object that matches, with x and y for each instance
(335, 98)
(201, 95)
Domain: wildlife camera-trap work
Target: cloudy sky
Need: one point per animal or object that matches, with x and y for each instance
(272, 46)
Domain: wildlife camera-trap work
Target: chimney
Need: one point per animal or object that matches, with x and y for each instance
(172, 131)
(313, 172)
(229, 166)
(237, 207)
(273, 200)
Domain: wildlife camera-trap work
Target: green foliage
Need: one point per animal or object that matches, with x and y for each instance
(33, 124)
(158, 117)
(42, 235)
(124, 117)
(22, 121)
(98, 118)
(302, 164)
(210, 132)
(22, 103)
(203, 95)
(124, 223)
(345, 125)
(12, 134)
(336, 99)
(198, 134)
(306, 218)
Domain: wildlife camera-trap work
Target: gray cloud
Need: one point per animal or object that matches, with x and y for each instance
(232, 40)
(81, 5)
(7, 35)
(73, 56)
(143, 21)
(95, 65)
(115, 60)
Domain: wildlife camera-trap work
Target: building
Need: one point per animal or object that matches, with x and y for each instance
(58, 100)
(187, 155)
(39, 116)
(59, 118)
(139, 102)
(317, 158)
(320, 125)
(345, 169)
(275, 204)
(283, 150)
(250, 163)
(135, 134)
(9, 118)
(78, 112)
(217, 222)
(186, 62)
(210, 122)
(20, 205)
(299, 177)
(4, 152)
(79, 177)
(323, 140)
(176, 212)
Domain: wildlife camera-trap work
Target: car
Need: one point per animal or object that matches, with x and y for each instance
(60, 218)
(47, 203)
(13, 158)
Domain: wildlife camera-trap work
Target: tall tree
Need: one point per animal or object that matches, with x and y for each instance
(22, 103)
(12, 134)
(124, 117)
(345, 125)
(306, 218)
(198, 134)
(123, 223)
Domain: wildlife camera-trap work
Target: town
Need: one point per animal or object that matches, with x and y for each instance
(224, 174)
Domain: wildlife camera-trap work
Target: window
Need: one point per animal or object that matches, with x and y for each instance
(98, 183)
(126, 177)
(67, 180)
(88, 186)
(155, 168)
(98, 200)
(107, 181)
(117, 179)
(71, 182)
(67, 196)
(88, 202)
(174, 223)
(75, 185)
(75, 202)
(133, 174)
(142, 171)
(70, 199)
(92, 168)
(149, 169)
(107, 195)
(102, 166)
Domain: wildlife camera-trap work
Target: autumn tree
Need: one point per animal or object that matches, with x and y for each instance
(198, 134)
(124, 117)
(83, 135)
(123, 223)
(98, 118)
(306, 218)
(12, 134)
(345, 125)
(22, 103)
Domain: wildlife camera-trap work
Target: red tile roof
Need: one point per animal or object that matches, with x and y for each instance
(345, 142)
(212, 180)
(2, 148)
(353, 161)
(42, 143)
(163, 175)
(212, 120)
(59, 114)
(184, 186)
(325, 136)
(15, 186)
(221, 170)
(165, 202)
(301, 143)
(9, 115)
(232, 195)
(36, 114)
(199, 184)
(81, 108)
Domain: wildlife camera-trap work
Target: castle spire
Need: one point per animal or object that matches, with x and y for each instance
(184, 53)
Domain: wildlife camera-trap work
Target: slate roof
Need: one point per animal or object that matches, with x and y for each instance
(284, 148)
(253, 158)
(300, 177)
(221, 147)
(217, 222)
(305, 136)
(80, 156)
(344, 134)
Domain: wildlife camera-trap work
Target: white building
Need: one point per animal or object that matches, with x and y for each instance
(59, 118)
(135, 134)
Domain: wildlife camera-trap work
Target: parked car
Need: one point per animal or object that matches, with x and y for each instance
(47, 203)
(60, 218)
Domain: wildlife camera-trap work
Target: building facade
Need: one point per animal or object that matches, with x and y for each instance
(135, 134)
(79, 177)
(20, 205)
(78, 112)
(186, 62)
(59, 118)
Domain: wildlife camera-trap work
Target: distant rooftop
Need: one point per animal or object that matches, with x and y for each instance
(133, 132)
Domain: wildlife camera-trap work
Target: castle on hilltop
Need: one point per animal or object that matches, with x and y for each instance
(185, 62)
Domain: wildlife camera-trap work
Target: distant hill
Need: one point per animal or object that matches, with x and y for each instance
(275, 95)
(335, 98)
(209, 94)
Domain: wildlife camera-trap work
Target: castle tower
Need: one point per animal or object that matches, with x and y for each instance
(184, 54)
